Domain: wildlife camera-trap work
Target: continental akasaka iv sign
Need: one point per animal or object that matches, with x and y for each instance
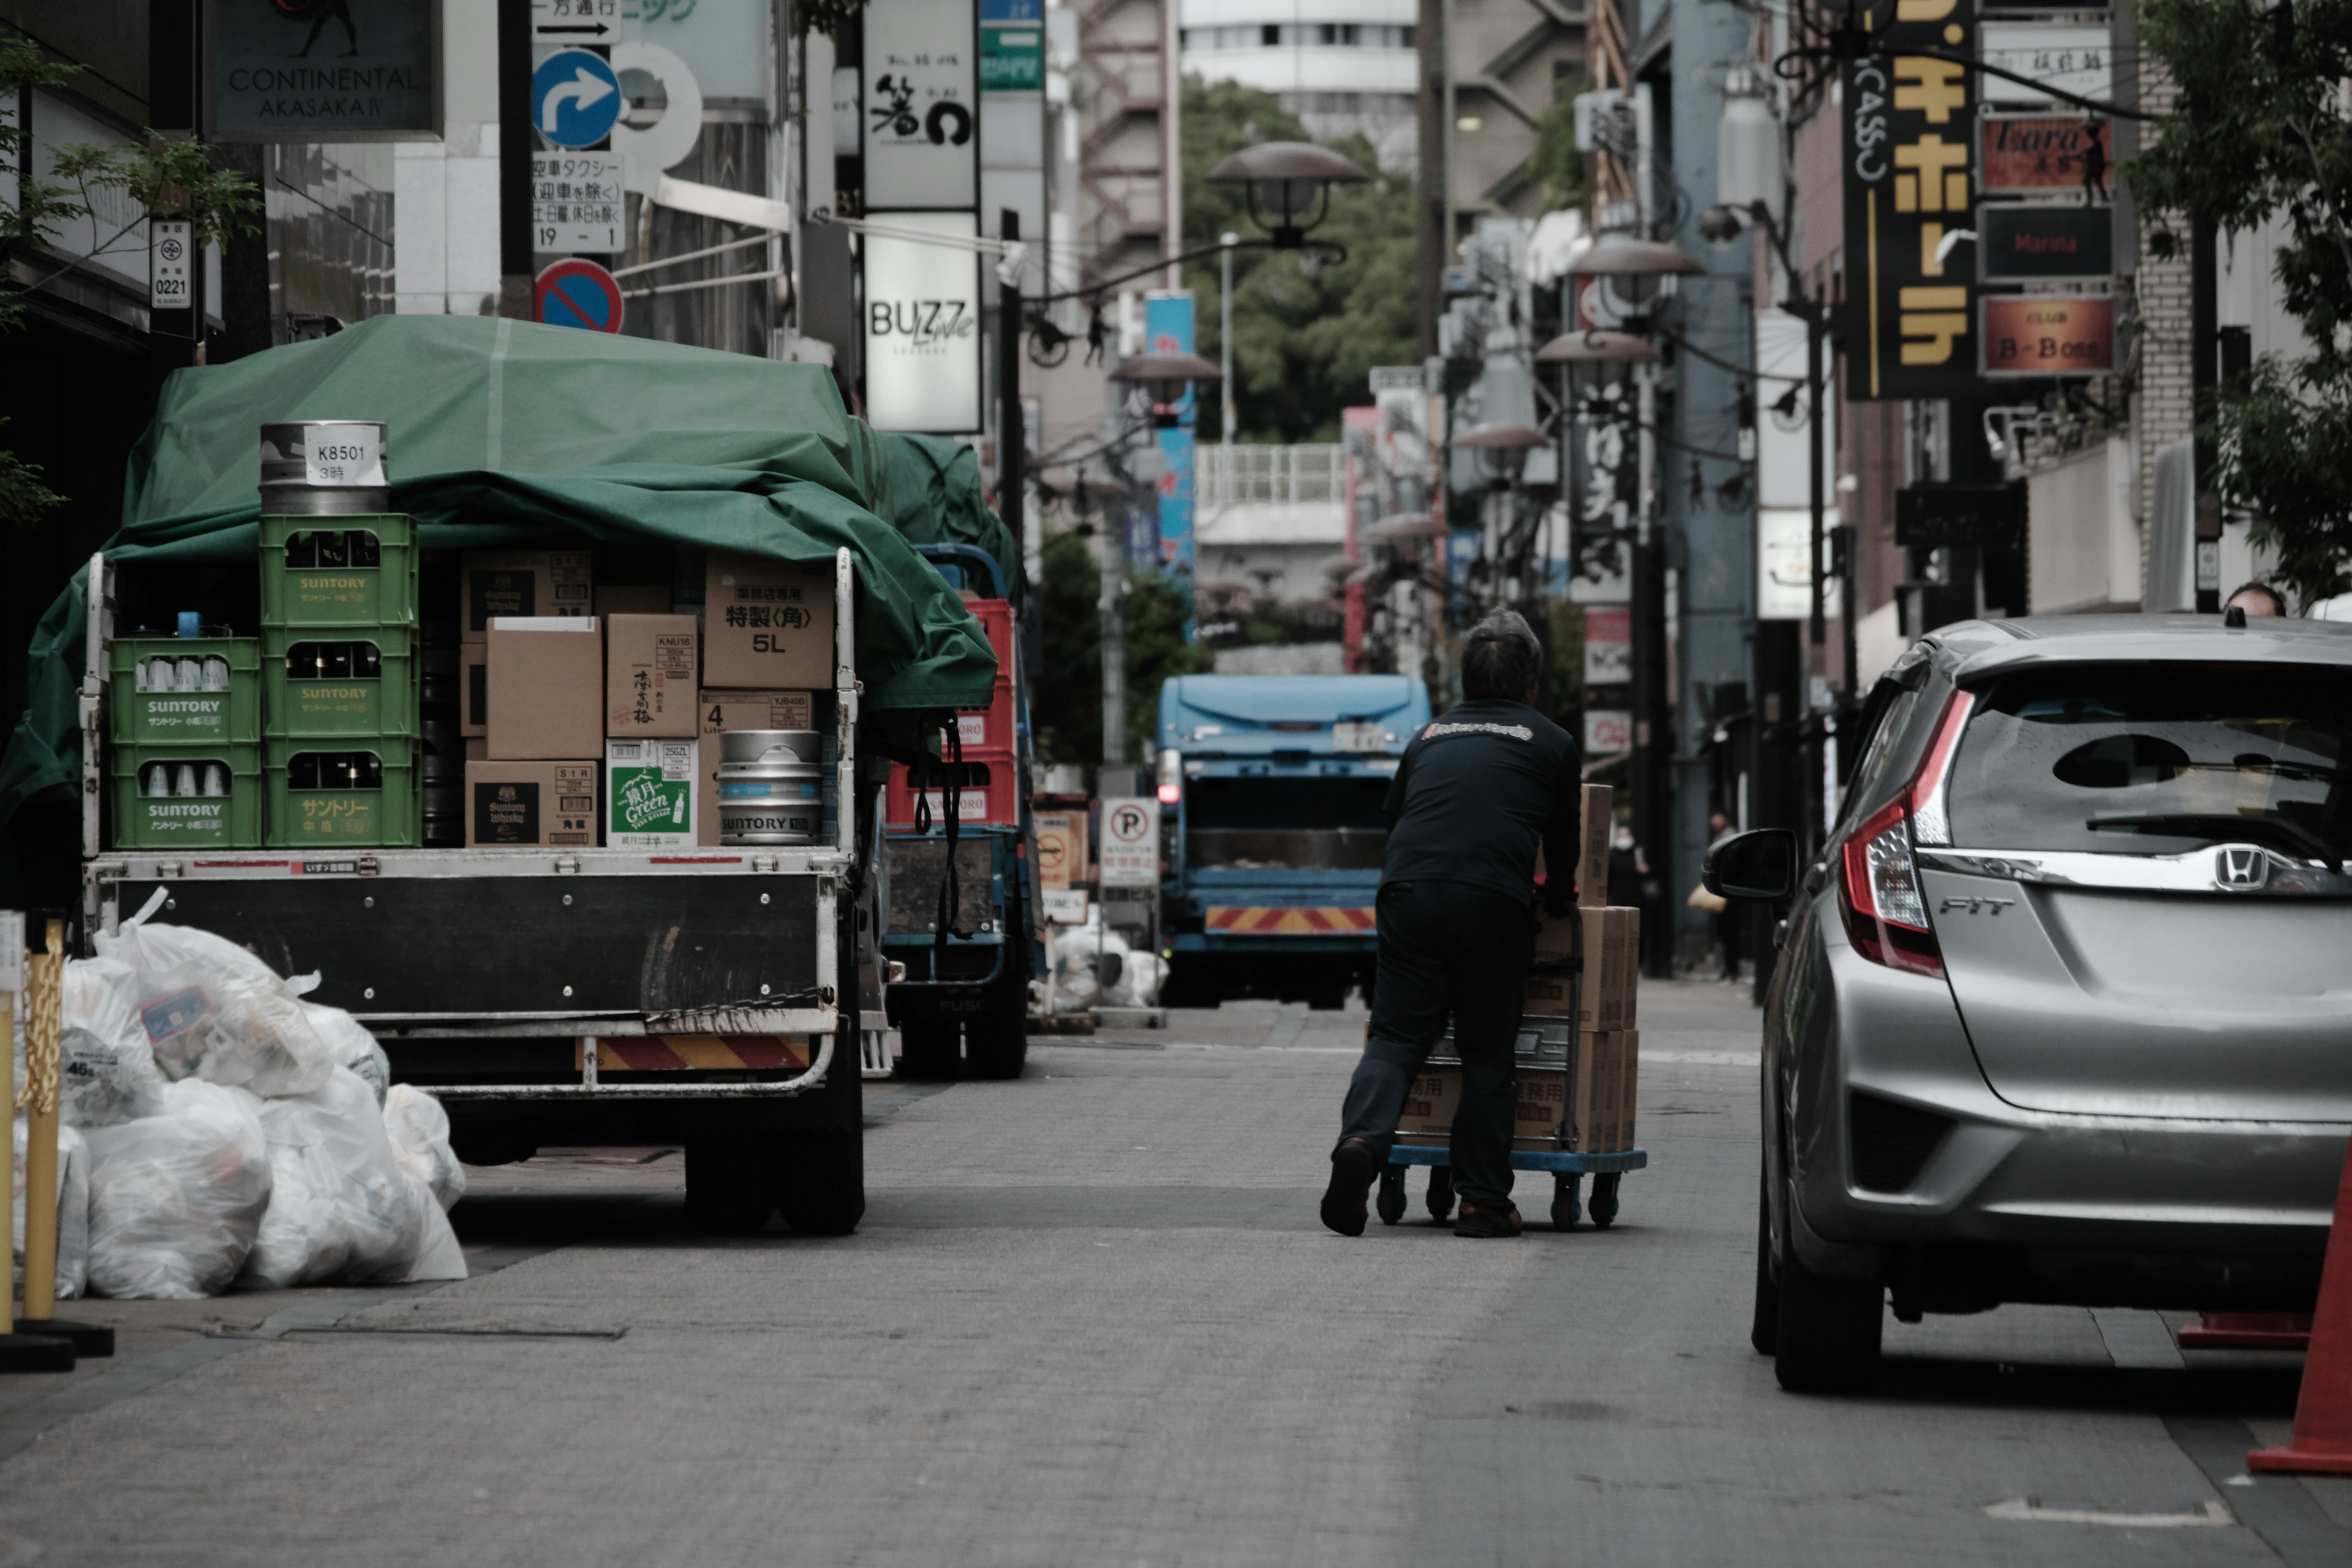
(1910, 151)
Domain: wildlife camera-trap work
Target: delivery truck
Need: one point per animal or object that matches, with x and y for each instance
(1276, 785)
(644, 906)
(963, 928)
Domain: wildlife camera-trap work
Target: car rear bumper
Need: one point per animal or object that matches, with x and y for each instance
(2003, 1204)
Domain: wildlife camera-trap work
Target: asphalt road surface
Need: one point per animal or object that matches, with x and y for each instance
(1091, 1319)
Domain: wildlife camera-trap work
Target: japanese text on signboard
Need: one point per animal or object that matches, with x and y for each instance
(1910, 148)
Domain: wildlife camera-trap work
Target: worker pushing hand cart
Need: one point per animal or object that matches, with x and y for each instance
(1462, 947)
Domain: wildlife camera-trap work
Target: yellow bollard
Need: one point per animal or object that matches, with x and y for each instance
(20, 1351)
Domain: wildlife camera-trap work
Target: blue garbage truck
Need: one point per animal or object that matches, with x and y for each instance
(1276, 784)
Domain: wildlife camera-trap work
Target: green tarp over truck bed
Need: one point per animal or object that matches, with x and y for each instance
(935, 498)
(505, 434)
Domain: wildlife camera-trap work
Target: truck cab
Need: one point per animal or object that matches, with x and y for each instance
(1276, 785)
(960, 996)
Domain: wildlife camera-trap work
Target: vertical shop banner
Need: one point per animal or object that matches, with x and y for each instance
(322, 70)
(1910, 154)
(922, 104)
(1360, 431)
(1604, 487)
(1168, 330)
(922, 326)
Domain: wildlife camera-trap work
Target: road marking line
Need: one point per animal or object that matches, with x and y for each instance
(2212, 1514)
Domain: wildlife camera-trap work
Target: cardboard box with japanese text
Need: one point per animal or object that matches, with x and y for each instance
(650, 676)
(493, 583)
(649, 794)
(542, 803)
(766, 623)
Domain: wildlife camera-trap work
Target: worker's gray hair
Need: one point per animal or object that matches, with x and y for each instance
(1501, 657)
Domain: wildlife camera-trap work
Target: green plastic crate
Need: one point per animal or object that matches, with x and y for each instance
(379, 596)
(343, 707)
(389, 818)
(179, 822)
(185, 718)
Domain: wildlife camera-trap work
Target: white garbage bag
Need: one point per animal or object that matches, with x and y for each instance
(73, 1211)
(214, 1011)
(177, 1199)
(1140, 977)
(348, 1040)
(109, 1068)
(420, 1135)
(1073, 952)
(343, 1208)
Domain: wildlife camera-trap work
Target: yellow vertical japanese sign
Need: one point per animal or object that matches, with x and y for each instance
(1910, 180)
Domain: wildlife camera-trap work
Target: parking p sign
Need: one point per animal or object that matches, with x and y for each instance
(1130, 842)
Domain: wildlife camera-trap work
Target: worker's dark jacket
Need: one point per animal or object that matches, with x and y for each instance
(1478, 789)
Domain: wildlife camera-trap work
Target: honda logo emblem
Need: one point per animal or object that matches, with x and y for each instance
(2241, 868)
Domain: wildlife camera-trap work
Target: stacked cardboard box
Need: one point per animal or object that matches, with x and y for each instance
(1588, 963)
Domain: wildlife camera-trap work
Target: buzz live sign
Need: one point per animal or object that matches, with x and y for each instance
(1911, 148)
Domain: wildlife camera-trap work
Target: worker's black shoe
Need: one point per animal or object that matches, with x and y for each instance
(1484, 1222)
(1355, 1167)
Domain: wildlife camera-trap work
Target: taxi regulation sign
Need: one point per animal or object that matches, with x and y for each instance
(577, 293)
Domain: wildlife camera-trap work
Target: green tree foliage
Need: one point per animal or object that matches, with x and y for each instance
(1067, 693)
(158, 175)
(1555, 160)
(2259, 127)
(1304, 337)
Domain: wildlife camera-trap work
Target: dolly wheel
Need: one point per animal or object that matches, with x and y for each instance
(1567, 1206)
(1389, 1200)
(1603, 1207)
(1441, 1193)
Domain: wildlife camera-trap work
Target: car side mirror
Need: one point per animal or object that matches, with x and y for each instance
(1761, 864)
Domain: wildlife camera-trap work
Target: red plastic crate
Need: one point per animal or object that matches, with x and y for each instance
(996, 802)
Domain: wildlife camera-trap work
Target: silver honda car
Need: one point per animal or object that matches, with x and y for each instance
(2064, 1011)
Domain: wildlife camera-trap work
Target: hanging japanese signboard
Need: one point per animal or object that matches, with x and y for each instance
(2045, 154)
(2075, 57)
(1910, 148)
(2046, 334)
(2038, 242)
(1605, 478)
(922, 104)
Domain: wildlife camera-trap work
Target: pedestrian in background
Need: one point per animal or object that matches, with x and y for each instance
(1478, 789)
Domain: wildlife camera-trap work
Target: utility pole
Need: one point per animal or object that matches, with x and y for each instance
(1013, 438)
(1225, 331)
(515, 146)
(1114, 633)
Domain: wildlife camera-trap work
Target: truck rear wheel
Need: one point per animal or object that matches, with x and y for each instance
(729, 1189)
(996, 1044)
(928, 1051)
(821, 1182)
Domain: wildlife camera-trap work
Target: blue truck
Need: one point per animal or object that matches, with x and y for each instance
(1275, 784)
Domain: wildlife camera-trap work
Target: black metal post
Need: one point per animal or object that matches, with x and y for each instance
(1011, 435)
(516, 144)
(1816, 633)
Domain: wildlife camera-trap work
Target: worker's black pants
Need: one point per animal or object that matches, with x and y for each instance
(1447, 949)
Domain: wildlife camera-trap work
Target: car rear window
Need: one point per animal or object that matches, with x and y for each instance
(2158, 759)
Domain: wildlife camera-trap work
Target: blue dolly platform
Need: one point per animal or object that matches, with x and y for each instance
(1567, 1173)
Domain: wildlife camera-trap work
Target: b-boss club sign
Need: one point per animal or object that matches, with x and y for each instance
(922, 326)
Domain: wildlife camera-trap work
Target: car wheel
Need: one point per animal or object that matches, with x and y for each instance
(1764, 1324)
(1826, 1339)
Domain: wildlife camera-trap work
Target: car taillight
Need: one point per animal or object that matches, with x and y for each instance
(1885, 911)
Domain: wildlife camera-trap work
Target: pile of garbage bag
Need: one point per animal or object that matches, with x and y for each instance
(221, 1131)
(1093, 967)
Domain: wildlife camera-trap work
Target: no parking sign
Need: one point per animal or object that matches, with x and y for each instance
(577, 293)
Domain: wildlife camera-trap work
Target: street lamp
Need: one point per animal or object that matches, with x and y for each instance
(1292, 182)
(1502, 450)
(1164, 376)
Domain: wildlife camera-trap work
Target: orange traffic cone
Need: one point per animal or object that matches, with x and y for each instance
(2248, 1331)
(2322, 1443)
